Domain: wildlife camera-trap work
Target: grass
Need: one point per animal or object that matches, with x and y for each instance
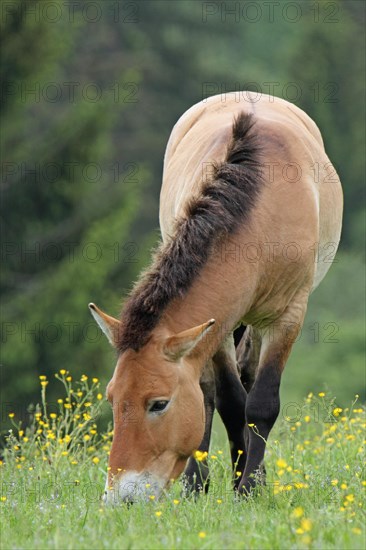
(53, 472)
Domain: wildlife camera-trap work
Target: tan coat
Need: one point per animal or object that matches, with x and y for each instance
(260, 274)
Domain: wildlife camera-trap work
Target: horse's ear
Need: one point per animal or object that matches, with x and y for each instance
(109, 325)
(184, 343)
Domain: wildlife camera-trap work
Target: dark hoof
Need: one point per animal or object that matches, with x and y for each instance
(251, 485)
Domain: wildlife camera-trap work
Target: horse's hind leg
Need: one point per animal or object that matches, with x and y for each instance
(263, 403)
(248, 348)
(230, 403)
(247, 356)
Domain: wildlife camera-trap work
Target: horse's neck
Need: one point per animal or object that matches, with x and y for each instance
(210, 297)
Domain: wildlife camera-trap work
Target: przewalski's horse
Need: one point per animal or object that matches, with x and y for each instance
(250, 213)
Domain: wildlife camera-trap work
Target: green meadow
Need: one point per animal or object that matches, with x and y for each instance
(53, 475)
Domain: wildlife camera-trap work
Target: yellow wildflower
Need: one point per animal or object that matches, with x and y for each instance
(99, 396)
(281, 463)
(199, 455)
(298, 512)
(95, 460)
(306, 524)
(201, 534)
(62, 371)
(158, 514)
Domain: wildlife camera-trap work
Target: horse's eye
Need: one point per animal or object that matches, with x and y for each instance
(158, 406)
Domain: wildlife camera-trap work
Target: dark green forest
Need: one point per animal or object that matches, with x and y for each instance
(89, 94)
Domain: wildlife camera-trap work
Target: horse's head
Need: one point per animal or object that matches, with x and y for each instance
(158, 410)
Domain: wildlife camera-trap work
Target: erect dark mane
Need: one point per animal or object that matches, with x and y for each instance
(224, 203)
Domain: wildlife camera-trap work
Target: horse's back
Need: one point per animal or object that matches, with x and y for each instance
(301, 199)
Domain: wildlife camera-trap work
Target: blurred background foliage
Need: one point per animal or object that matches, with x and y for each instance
(89, 94)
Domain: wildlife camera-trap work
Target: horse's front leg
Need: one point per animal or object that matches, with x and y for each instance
(196, 475)
(230, 403)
